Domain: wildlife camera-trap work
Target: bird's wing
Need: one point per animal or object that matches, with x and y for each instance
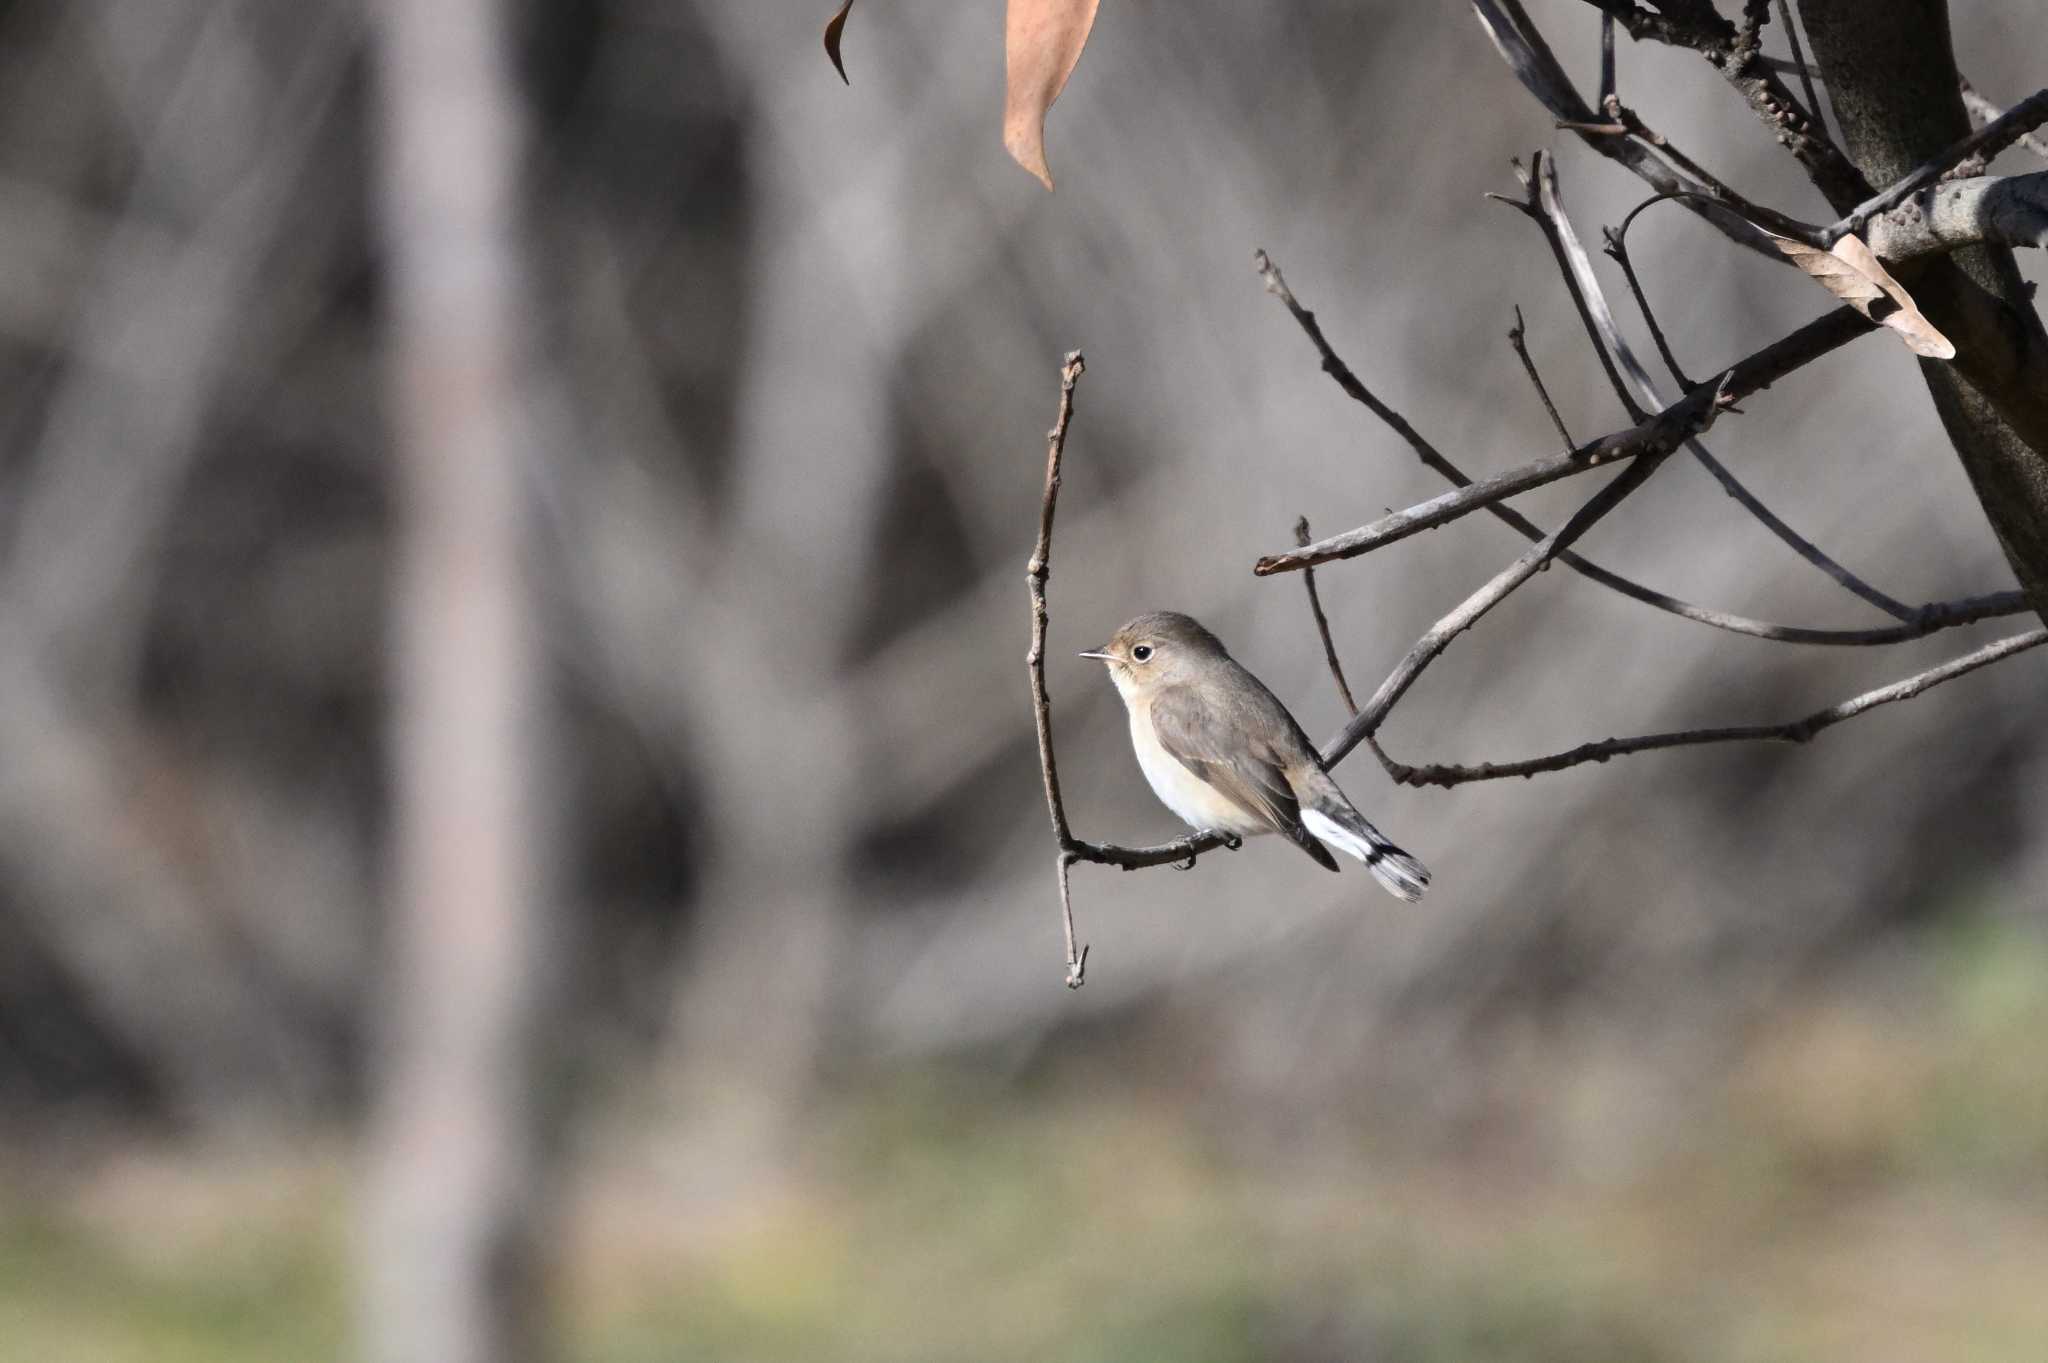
(1250, 775)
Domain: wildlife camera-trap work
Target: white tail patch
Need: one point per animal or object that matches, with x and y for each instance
(1404, 876)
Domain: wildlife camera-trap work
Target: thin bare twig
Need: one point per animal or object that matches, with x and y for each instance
(1655, 434)
(1516, 335)
(1617, 250)
(1793, 731)
(1926, 620)
(1181, 851)
(1983, 111)
(1037, 571)
(1496, 590)
(1608, 89)
(1625, 122)
(1701, 28)
(1986, 142)
(1523, 47)
(1545, 207)
(1315, 605)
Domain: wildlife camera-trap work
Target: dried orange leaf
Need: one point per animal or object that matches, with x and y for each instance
(834, 27)
(1042, 40)
(1853, 273)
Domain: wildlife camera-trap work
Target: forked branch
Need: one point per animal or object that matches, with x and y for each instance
(1918, 622)
(1181, 851)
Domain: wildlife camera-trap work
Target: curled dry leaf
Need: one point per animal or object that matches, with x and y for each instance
(834, 28)
(1042, 40)
(1853, 273)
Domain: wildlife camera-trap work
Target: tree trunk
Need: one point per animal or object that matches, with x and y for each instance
(457, 1180)
(1891, 77)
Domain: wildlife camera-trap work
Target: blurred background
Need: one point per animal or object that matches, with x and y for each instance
(1728, 1053)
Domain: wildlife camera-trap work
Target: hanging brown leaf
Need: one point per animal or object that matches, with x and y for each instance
(834, 27)
(1852, 273)
(1042, 40)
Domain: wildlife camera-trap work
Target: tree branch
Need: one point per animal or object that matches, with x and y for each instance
(1315, 606)
(1698, 26)
(1636, 389)
(1793, 731)
(1656, 435)
(1982, 111)
(1522, 46)
(1181, 851)
(1985, 142)
(1497, 589)
(1892, 79)
(1996, 210)
(1516, 338)
(1921, 621)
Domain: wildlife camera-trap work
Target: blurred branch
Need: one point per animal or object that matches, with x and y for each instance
(1792, 731)
(151, 336)
(451, 1266)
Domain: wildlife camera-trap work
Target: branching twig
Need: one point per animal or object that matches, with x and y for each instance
(1925, 620)
(1617, 250)
(1983, 111)
(1315, 605)
(1037, 571)
(1516, 338)
(1181, 851)
(1544, 206)
(1522, 46)
(1656, 434)
(1469, 612)
(1793, 731)
(1625, 122)
(1986, 142)
(1701, 28)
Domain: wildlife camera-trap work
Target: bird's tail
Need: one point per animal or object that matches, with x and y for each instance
(1334, 821)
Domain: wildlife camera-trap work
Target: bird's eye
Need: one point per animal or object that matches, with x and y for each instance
(1142, 653)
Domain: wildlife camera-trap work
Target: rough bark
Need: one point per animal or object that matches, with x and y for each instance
(1891, 75)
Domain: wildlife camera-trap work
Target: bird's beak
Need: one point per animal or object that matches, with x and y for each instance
(1097, 653)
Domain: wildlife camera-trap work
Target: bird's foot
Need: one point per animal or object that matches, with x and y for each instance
(1230, 841)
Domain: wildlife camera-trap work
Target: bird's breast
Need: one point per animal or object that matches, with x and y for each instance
(1194, 800)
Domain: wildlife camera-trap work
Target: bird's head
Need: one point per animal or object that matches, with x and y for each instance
(1156, 650)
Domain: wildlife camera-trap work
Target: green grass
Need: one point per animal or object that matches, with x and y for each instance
(1871, 1183)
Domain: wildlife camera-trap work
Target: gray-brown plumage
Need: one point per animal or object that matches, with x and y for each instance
(1223, 753)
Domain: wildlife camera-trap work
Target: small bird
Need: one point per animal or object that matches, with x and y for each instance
(1223, 753)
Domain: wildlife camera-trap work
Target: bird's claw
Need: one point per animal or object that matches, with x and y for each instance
(1230, 841)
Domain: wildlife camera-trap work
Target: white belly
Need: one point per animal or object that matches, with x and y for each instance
(1196, 802)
